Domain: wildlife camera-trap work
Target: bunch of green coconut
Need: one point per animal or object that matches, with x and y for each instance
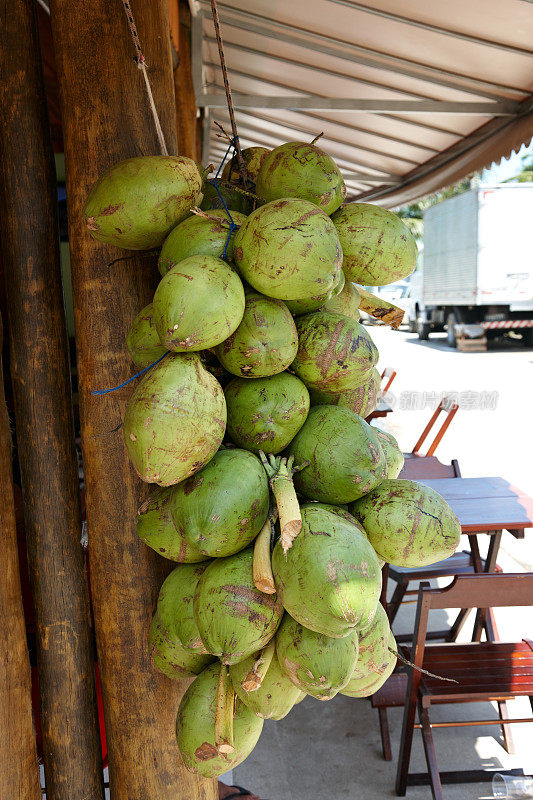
(275, 498)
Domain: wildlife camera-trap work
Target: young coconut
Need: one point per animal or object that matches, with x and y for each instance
(233, 617)
(175, 607)
(170, 657)
(262, 685)
(175, 420)
(253, 158)
(233, 198)
(346, 302)
(156, 529)
(288, 249)
(221, 509)
(378, 247)
(329, 580)
(297, 169)
(362, 400)
(364, 685)
(266, 413)
(335, 353)
(407, 523)
(265, 343)
(196, 729)
(142, 340)
(199, 236)
(391, 451)
(318, 665)
(136, 203)
(198, 304)
(346, 459)
(307, 305)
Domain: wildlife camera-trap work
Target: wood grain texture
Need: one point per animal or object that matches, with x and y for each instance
(106, 118)
(188, 144)
(44, 421)
(19, 771)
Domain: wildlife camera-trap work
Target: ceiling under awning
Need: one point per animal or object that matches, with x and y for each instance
(411, 96)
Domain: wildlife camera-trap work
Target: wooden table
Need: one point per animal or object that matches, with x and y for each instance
(381, 410)
(485, 505)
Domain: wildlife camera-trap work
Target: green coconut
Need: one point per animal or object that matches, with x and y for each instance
(175, 420)
(275, 696)
(175, 607)
(346, 302)
(329, 580)
(253, 158)
(197, 304)
(346, 459)
(266, 413)
(265, 342)
(368, 684)
(305, 306)
(195, 728)
(373, 645)
(391, 451)
(221, 509)
(199, 236)
(156, 529)
(408, 524)
(232, 198)
(363, 400)
(335, 352)
(288, 249)
(136, 203)
(297, 169)
(233, 617)
(318, 665)
(378, 247)
(170, 658)
(142, 340)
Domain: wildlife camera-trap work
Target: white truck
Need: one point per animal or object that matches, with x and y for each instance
(477, 275)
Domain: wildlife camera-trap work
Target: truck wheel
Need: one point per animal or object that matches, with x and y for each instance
(413, 327)
(423, 329)
(450, 330)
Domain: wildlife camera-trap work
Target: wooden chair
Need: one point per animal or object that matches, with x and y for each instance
(389, 373)
(450, 410)
(483, 671)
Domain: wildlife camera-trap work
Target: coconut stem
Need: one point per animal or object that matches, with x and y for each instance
(218, 220)
(315, 140)
(254, 679)
(380, 309)
(262, 566)
(224, 713)
(280, 471)
(410, 664)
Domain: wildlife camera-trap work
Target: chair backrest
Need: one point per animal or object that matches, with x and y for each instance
(469, 591)
(390, 374)
(450, 408)
(416, 467)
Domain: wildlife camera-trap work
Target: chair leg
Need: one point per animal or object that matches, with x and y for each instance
(396, 600)
(458, 625)
(406, 742)
(506, 729)
(385, 734)
(431, 757)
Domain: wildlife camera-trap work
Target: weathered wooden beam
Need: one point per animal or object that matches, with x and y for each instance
(44, 421)
(106, 118)
(188, 144)
(19, 771)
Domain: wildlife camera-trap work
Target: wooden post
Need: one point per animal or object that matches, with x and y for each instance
(106, 118)
(44, 420)
(19, 771)
(183, 86)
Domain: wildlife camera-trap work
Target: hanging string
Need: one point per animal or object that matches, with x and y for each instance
(229, 100)
(232, 226)
(133, 377)
(141, 63)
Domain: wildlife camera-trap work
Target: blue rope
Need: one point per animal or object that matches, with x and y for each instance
(232, 225)
(138, 375)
